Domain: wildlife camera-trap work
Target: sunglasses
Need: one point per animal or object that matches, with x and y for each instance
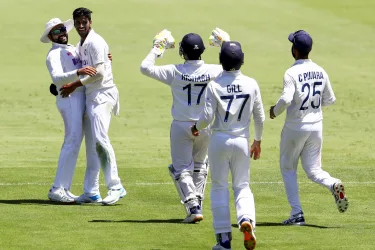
(58, 31)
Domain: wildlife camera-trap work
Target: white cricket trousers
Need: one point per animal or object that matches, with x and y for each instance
(72, 110)
(188, 153)
(99, 107)
(306, 145)
(230, 153)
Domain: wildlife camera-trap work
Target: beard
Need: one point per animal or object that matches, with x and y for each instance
(63, 39)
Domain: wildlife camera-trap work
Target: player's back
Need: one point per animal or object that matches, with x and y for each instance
(237, 96)
(312, 90)
(189, 88)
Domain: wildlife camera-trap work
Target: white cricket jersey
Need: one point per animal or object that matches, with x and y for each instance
(62, 63)
(231, 99)
(92, 52)
(188, 83)
(306, 89)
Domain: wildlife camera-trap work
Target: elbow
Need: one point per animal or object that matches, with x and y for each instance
(144, 69)
(288, 101)
(328, 102)
(100, 74)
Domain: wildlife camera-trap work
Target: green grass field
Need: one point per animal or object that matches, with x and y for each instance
(31, 129)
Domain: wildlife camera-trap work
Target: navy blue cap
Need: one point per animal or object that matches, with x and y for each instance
(231, 55)
(301, 40)
(192, 44)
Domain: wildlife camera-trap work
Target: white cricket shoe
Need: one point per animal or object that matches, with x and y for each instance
(85, 198)
(114, 195)
(70, 194)
(194, 216)
(341, 200)
(249, 236)
(59, 195)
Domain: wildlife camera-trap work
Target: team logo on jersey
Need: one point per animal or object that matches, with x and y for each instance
(76, 61)
(69, 54)
(85, 52)
(196, 47)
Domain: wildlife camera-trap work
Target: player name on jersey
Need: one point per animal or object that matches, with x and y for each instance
(310, 76)
(234, 89)
(195, 78)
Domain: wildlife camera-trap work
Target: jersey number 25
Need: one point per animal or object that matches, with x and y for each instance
(314, 93)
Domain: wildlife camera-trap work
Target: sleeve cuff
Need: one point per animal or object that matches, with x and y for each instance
(258, 131)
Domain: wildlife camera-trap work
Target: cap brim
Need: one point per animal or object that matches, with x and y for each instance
(69, 24)
(291, 37)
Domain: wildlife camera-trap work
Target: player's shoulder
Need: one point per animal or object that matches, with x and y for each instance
(96, 39)
(215, 69)
(213, 66)
(320, 68)
(54, 52)
(249, 80)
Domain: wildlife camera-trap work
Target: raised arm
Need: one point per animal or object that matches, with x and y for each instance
(164, 74)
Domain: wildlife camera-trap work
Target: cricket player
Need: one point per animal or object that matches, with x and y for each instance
(306, 89)
(188, 82)
(102, 99)
(64, 66)
(231, 99)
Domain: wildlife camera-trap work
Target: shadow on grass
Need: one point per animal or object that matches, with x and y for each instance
(35, 202)
(277, 224)
(170, 221)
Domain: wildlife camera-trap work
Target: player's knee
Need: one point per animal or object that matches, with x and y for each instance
(240, 186)
(217, 185)
(103, 153)
(314, 175)
(72, 140)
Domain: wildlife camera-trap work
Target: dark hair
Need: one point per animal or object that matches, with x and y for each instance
(82, 12)
(230, 66)
(302, 54)
(193, 56)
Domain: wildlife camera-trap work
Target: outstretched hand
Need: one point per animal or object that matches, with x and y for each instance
(162, 41)
(218, 37)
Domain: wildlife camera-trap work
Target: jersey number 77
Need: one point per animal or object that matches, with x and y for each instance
(231, 98)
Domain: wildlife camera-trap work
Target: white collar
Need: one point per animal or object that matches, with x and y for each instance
(234, 72)
(59, 45)
(195, 62)
(301, 61)
(91, 33)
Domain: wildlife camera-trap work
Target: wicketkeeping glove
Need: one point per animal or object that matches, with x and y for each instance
(162, 41)
(218, 36)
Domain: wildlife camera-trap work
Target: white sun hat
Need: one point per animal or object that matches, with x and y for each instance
(69, 24)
